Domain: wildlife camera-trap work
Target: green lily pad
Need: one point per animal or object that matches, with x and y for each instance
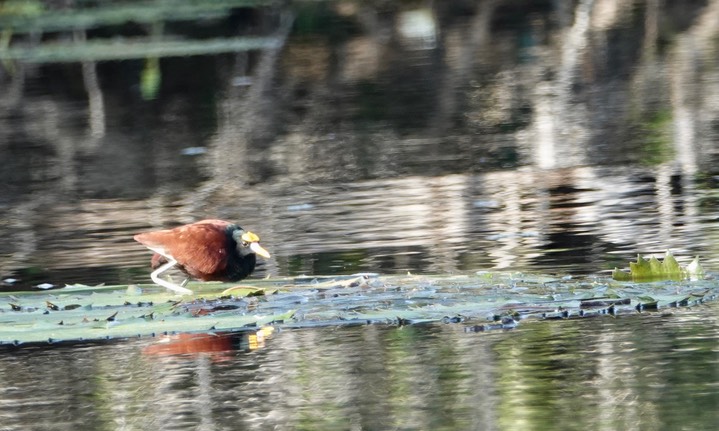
(93, 313)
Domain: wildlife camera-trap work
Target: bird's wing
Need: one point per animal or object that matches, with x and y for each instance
(199, 247)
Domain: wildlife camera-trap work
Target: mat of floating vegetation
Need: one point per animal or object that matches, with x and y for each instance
(483, 301)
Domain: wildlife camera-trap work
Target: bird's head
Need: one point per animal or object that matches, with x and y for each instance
(248, 243)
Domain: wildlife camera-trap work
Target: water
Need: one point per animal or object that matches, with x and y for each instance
(654, 371)
(579, 221)
(563, 137)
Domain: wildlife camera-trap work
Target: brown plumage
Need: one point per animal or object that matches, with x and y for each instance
(208, 250)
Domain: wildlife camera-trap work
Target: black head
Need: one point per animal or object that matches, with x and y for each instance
(243, 246)
(247, 242)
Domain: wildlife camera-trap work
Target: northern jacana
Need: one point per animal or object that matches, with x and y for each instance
(208, 250)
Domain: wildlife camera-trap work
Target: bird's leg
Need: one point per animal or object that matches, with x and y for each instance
(155, 276)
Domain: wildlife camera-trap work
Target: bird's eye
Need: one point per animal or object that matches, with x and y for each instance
(245, 243)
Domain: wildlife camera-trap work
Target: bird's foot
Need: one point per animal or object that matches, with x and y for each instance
(155, 276)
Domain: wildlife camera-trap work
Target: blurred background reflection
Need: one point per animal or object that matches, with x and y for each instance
(560, 136)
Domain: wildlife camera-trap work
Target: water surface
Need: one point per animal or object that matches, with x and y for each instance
(651, 371)
(554, 136)
(562, 136)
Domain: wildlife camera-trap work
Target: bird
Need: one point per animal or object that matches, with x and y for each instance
(208, 250)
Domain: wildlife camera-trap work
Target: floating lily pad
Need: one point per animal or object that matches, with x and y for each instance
(480, 302)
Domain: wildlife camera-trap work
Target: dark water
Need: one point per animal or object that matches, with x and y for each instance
(632, 372)
(452, 137)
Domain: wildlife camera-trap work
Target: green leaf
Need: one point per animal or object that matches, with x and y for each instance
(644, 270)
(620, 275)
(670, 264)
(243, 291)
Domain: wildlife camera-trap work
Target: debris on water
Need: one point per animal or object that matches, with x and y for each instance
(45, 286)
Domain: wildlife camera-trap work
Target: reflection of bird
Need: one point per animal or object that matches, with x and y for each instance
(208, 250)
